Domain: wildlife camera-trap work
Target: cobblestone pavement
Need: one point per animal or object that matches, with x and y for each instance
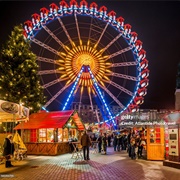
(113, 166)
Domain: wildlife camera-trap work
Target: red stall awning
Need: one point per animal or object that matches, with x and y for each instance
(56, 119)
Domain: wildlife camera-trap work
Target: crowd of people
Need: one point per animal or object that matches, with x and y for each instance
(133, 142)
(136, 143)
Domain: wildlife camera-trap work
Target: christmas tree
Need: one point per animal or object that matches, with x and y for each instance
(19, 80)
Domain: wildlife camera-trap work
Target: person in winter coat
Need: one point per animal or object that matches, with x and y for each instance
(99, 140)
(8, 150)
(109, 140)
(119, 142)
(115, 142)
(104, 143)
(86, 143)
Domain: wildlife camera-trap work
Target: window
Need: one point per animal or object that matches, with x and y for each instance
(72, 132)
(46, 135)
(29, 135)
(155, 135)
(26, 136)
(65, 135)
(50, 135)
(60, 135)
(42, 135)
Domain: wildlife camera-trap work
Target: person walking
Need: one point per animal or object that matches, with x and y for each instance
(104, 143)
(8, 150)
(109, 140)
(86, 143)
(119, 143)
(115, 142)
(99, 140)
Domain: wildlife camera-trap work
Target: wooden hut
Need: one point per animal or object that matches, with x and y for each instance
(47, 133)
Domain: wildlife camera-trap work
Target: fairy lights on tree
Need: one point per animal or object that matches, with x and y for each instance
(19, 80)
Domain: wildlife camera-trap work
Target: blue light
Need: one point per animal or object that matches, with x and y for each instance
(98, 89)
(45, 109)
(73, 88)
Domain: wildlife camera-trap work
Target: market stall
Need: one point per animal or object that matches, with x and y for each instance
(173, 136)
(11, 113)
(47, 133)
(153, 126)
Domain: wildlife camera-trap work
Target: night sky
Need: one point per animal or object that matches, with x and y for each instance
(157, 24)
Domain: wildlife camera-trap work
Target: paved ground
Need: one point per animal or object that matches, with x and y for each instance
(113, 166)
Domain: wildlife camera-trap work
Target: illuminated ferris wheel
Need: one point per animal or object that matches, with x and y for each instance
(88, 55)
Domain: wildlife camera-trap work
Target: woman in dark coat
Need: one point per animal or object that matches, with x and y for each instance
(99, 143)
(8, 150)
(115, 142)
(104, 143)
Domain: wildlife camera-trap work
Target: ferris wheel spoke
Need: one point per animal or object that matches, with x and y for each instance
(115, 39)
(79, 107)
(56, 95)
(48, 72)
(45, 46)
(134, 63)
(90, 28)
(73, 90)
(52, 83)
(112, 96)
(120, 52)
(124, 76)
(55, 38)
(99, 93)
(105, 110)
(47, 60)
(95, 30)
(77, 26)
(90, 98)
(66, 32)
(121, 88)
(101, 35)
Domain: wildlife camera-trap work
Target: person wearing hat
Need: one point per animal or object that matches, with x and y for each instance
(8, 150)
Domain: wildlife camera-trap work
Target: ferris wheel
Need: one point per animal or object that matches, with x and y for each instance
(88, 55)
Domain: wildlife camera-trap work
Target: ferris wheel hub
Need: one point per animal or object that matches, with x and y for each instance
(86, 59)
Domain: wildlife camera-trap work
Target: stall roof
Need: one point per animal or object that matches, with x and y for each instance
(56, 119)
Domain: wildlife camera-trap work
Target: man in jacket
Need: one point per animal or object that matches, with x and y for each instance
(85, 142)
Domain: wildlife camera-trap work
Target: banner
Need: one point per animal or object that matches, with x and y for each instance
(10, 111)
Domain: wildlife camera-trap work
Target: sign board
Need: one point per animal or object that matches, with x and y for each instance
(10, 112)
